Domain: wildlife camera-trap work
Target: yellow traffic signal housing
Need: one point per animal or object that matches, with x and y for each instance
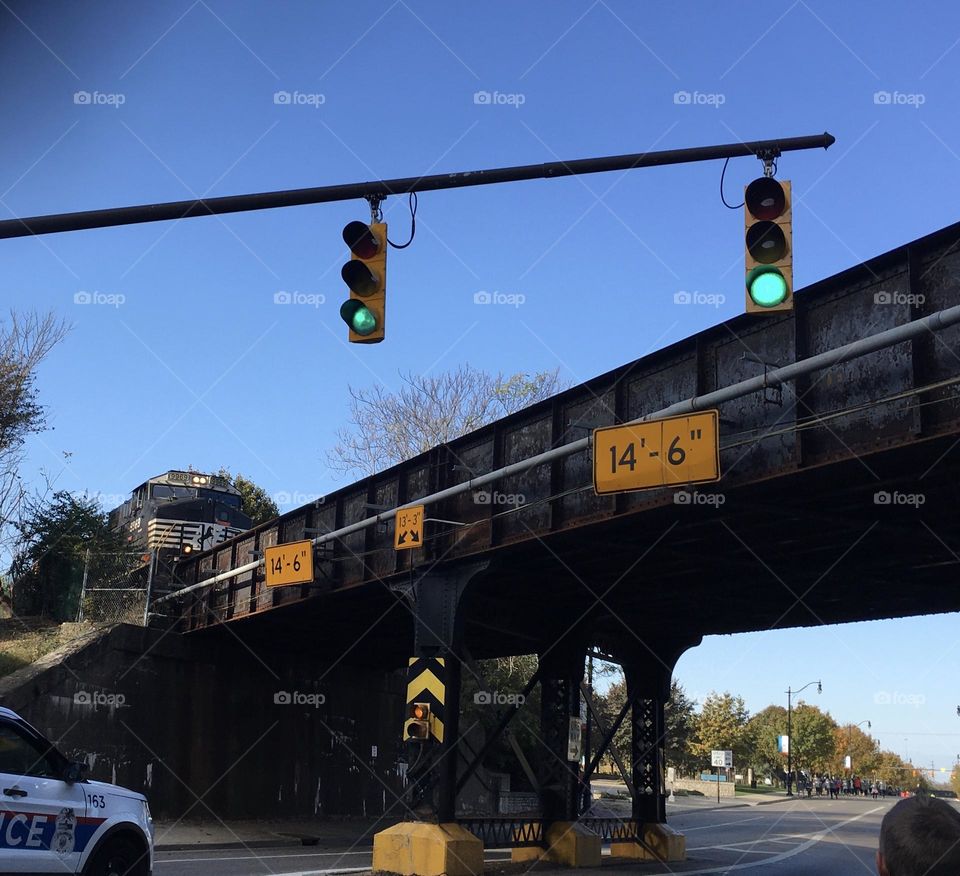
(417, 726)
(768, 244)
(366, 276)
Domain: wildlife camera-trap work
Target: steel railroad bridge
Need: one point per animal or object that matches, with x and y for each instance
(838, 502)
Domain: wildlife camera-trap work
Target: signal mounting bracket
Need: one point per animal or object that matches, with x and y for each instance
(376, 215)
(769, 158)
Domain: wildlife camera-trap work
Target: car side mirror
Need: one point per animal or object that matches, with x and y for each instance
(74, 771)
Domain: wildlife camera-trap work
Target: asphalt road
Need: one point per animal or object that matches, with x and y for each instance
(786, 838)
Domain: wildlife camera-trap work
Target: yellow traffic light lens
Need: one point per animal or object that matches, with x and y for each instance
(767, 286)
(362, 241)
(359, 278)
(765, 198)
(361, 319)
(766, 242)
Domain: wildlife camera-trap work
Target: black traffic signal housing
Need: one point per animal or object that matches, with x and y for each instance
(417, 727)
(768, 242)
(366, 277)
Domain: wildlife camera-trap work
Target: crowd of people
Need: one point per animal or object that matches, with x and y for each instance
(850, 786)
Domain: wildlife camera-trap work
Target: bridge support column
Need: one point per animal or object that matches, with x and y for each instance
(648, 674)
(567, 843)
(432, 843)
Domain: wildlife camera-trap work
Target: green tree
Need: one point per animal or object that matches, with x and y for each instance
(721, 725)
(485, 694)
(679, 719)
(679, 724)
(762, 731)
(56, 533)
(863, 750)
(610, 703)
(25, 340)
(388, 427)
(892, 769)
(955, 780)
(256, 501)
(812, 742)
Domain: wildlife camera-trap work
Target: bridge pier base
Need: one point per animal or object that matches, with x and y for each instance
(568, 844)
(418, 848)
(660, 843)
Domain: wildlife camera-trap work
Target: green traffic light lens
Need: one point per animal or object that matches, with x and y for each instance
(364, 322)
(766, 287)
(360, 318)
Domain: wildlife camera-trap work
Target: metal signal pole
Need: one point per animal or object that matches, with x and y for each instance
(379, 189)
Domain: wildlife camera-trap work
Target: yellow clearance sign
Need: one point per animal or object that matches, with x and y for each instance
(659, 453)
(290, 563)
(408, 528)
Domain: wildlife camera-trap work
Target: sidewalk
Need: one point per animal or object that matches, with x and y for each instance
(254, 833)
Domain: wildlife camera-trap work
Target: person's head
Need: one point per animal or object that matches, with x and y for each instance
(920, 836)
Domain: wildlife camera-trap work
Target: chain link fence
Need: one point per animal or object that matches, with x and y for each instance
(116, 587)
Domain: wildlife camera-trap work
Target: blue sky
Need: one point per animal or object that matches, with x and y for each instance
(183, 358)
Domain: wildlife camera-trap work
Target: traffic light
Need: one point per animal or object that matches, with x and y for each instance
(366, 276)
(418, 723)
(768, 221)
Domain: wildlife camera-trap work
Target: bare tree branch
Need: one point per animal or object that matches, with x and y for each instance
(386, 428)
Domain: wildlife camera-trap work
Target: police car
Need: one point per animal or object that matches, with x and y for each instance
(52, 820)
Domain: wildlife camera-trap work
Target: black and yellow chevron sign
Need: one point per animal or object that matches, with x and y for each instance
(426, 683)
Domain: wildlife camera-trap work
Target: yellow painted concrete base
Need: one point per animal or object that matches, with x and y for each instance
(669, 845)
(568, 844)
(414, 848)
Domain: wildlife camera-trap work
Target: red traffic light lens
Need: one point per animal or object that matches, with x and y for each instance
(765, 198)
(766, 242)
(419, 712)
(362, 241)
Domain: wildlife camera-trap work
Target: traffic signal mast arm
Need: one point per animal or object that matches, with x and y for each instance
(935, 322)
(55, 223)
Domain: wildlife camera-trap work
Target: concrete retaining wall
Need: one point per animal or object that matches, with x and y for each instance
(708, 789)
(207, 728)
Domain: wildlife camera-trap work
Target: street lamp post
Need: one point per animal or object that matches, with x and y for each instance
(850, 740)
(790, 694)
